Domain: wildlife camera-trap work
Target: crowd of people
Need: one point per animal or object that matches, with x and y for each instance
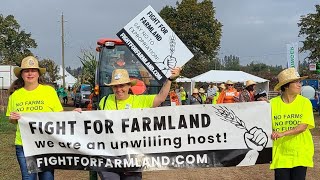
(292, 151)
(218, 94)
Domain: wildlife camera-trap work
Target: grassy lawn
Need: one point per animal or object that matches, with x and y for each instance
(9, 168)
(5, 126)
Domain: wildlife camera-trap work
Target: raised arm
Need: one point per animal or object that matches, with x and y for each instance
(162, 95)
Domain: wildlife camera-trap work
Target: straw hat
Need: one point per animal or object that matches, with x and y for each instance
(201, 90)
(222, 86)
(121, 76)
(250, 82)
(286, 76)
(229, 82)
(28, 63)
(195, 91)
(181, 88)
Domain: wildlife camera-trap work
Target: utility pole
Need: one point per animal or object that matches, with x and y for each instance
(62, 48)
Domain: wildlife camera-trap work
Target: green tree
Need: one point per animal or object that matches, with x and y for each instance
(14, 43)
(68, 69)
(231, 63)
(74, 72)
(310, 28)
(89, 63)
(77, 72)
(304, 70)
(256, 68)
(51, 70)
(264, 71)
(197, 27)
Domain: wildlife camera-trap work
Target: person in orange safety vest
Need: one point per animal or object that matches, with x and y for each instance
(229, 94)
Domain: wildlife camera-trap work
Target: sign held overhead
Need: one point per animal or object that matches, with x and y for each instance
(154, 43)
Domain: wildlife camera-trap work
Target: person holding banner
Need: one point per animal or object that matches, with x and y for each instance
(28, 94)
(292, 119)
(121, 99)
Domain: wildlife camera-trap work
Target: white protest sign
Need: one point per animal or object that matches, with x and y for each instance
(149, 139)
(153, 42)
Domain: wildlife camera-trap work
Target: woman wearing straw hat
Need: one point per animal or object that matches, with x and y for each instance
(292, 119)
(30, 88)
(121, 99)
(247, 95)
(229, 94)
(195, 97)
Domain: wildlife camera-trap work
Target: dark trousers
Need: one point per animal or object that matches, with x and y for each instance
(296, 173)
(65, 100)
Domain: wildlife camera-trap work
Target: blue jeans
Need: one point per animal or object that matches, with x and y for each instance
(46, 175)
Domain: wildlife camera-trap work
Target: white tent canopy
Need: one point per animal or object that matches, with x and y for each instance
(187, 83)
(69, 79)
(220, 76)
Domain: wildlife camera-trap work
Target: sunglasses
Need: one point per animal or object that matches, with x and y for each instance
(229, 84)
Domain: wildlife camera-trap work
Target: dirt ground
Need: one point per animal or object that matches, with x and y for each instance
(257, 172)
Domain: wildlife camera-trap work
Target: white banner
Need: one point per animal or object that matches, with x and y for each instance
(149, 139)
(155, 44)
(293, 55)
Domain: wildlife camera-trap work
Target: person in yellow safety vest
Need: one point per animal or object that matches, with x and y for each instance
(292, 119)
(203, 95)
(121, 99)
(216, 97)
(183, 96)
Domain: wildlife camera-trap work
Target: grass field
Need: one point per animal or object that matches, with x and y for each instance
(9, 169)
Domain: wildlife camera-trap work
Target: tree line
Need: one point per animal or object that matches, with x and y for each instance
(195, 24)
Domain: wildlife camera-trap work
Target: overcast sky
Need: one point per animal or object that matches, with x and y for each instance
(254, 30)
